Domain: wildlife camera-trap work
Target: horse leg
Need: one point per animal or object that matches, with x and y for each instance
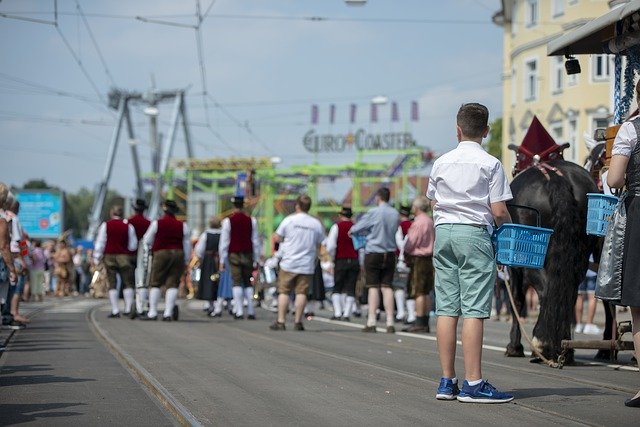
(610, 328)
(514, 348)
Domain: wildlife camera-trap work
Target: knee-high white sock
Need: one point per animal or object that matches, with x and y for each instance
(128, 299)
(217, 306)
(343, 300)
(238, 296)
(401, 297)
(113, 297)
(142, 298)
(248, 294)
(336, 300)
(154, 297)
(411, 310)
(348, 307)
(206, 305)
(170, 298)
(311, 307)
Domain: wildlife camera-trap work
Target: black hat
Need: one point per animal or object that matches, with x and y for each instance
(171, 205)
(405, 210)
(237, 200)
(346, 211)
(140, 205)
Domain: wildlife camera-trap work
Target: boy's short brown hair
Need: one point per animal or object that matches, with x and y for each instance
(473, 119)
(304, 202)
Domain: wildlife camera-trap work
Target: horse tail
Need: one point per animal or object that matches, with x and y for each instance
(568, 242)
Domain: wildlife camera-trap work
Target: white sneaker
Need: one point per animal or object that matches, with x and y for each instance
(591, 329)
(578, 329)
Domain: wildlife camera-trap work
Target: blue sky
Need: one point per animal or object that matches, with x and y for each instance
(265, 65)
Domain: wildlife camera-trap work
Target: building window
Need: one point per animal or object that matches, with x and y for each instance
(558, 8)
(557, 75)
(599, 123)
(600, 68)
(573, 139)
(573, 1)
(514, 19)
(572, 80)
(531, 13)
(531, 80)
(514, 87)
(557, 132)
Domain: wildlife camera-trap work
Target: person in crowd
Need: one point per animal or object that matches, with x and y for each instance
(418, 249)
(468, 189)
(36, 272)
(587, 292)
(346, 265)
(405, 308)
(380, 224)
(19, 252)
(170, 244)
(299, 236)
(141, 224)
(79, 259)
(240, 246)
(115, 241)
(206, 255)
(8, 272)
(64, 270)
(624, 171)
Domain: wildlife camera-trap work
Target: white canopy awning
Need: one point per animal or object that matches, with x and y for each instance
(591, 37)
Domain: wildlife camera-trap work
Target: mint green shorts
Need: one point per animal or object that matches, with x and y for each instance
(465, 266)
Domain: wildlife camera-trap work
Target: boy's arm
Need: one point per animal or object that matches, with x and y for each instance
(500, 213)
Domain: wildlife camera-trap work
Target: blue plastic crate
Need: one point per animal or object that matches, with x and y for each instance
(359, 241)
(600, 210)
(521, 245)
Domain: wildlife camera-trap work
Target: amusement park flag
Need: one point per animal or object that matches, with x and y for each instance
(352, 114)
(314, 114)
(415, 116)
(394, 112)
(374, 113)
(332, 113)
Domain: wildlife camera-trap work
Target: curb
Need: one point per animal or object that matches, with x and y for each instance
(175, 408)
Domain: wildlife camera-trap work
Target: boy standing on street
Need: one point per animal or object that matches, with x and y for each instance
(468, 189)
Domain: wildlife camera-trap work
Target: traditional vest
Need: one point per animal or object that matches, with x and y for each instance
(404, 225)
(344, 248)
(240, 236)
(140, 224)
(169, 234)
(117, 237)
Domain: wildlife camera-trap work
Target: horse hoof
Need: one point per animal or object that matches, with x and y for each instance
(514, 352)
(535, 360)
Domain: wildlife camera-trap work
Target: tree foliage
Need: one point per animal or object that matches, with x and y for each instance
(494, 145)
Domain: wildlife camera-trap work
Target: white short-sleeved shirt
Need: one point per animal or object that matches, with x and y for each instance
(464, 182)
(302, 234)
(626, 140)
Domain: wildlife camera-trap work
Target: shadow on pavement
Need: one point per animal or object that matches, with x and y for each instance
(524, 393)
(13, 380)
(7, 370)
(24, 413)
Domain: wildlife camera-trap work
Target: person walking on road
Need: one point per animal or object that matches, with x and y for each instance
(170, 243)
(141, 224)
(8, 273)
(380, 224)
(405, 307)
(206, 255)
(468, 189)
(240, 246)
(346, 265)
(115, 242)
(418, 250)
(299, 236)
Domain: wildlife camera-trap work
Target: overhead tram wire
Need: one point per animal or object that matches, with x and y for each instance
(95, 45)
(203, 71)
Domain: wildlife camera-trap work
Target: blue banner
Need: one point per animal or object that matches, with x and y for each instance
(41, 213)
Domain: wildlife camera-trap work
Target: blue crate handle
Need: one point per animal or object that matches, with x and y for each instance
(513, 205)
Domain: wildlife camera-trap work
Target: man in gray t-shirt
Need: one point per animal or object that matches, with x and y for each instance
(299, 236)
(380, 225)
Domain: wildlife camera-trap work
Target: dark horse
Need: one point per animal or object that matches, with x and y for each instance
(561, 199)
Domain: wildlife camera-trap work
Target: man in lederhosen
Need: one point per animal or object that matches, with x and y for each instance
(114, 243)
(170, 244)
(141, 224)
(240, 244)
(346, 266)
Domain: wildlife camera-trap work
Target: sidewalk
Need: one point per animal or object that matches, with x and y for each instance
(56, 372)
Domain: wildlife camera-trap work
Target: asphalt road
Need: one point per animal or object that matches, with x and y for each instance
(239, 373)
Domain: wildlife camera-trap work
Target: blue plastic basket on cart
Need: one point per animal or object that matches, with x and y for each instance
(359, 241)
(600, 210)
(520, 245)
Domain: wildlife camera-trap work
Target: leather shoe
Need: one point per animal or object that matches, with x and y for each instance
(113, 316)
(633, 403)
(166, 318)
(176, 312)
(148, 318)
(371, 329)
(416, 329)
(251, 317)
